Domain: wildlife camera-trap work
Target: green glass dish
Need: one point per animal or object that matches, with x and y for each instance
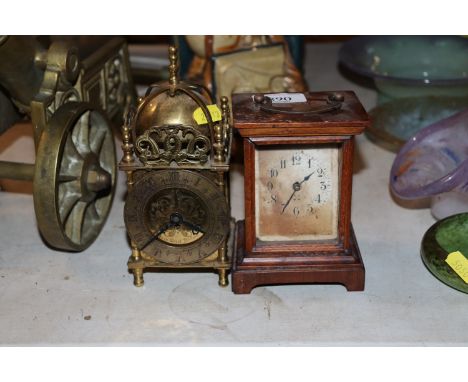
(410, 66)
(446, 236)
(396, 121)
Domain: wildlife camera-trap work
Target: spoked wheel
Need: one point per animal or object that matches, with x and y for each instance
(74, 179)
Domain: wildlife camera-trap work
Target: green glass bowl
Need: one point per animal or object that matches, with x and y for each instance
(396, 121)
(409, 66)
(446, 236)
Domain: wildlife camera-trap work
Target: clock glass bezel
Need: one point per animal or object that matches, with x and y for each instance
(297, 193)
(341, 242)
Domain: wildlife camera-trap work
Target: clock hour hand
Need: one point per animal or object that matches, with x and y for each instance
(163, 229)
(306, 178)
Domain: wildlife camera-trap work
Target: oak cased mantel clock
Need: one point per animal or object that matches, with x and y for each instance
(298, 160)
(176, 157)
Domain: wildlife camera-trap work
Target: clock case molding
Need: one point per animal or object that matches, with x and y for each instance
(259, 263)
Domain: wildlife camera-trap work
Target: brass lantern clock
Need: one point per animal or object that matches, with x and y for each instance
(298, 154)
(176, 155)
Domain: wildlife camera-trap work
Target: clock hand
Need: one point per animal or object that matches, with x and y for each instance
(163, 229)
(297, 187)
(175, 220)
(306, 178)
(195, 228)
(287, 203)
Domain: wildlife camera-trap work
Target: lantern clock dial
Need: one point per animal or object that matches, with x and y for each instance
(297, 193)
(176, 217)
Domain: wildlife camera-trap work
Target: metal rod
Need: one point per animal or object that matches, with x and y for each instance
(16, 171)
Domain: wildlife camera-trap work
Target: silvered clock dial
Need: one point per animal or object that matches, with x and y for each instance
(296, 193)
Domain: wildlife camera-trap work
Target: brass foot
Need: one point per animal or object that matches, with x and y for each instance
(138, 277)
(223, 280)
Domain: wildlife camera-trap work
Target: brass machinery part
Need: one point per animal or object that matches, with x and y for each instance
(75, 176)
(52, 86)
(220, 136)
(20, 73)
(17, 171)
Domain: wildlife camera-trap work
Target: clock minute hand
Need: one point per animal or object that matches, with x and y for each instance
(194, 227)
(287, 203)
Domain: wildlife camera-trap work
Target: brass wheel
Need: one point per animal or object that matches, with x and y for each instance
(74, 179)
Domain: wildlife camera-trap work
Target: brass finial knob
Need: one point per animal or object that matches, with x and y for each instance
(127, 146)
(173, 65)
(226, 114)
(224, 103)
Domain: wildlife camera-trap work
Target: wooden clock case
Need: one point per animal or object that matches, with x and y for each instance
(258, 263)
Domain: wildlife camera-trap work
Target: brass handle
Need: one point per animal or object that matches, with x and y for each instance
(331, 103)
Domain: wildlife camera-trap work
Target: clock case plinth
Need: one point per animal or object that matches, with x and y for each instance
(338, 268)
(286, 263)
